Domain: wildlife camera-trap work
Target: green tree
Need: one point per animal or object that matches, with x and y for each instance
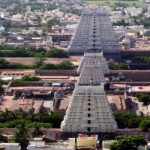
(123, 145)
(127, 120)
(145, 124)
(7, 23)
(43, 119)
(65, 65)
(23, 80)
(145, 98)
(22, 136)
(6, 65)
(121, 23)
(48, 66)
(52, 22)
(57, 53)
(54, 118)
(36, 130)
(117, 66)
(128, 142)
(30, 78)
(18, 82)
(39, 61)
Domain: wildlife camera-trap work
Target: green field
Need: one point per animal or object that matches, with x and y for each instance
(112, 2)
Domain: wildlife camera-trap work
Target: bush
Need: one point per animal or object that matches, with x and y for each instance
(128, 142)
(65, 65)
(127, 120)
(145, 98)
(14, 123)
(142, 20)
(57, 53)
(12, 119)
(7, 51)
(55, 118)
(18, 82)
(30, 78)
(22, 81)
(48, 67)
(145, 124)
(121, 23)
(6, 65)
(117, 66)
(141, 59)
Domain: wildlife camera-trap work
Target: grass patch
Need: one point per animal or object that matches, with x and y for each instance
(136, 3)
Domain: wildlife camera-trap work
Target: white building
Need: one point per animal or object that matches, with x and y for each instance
(133, 11)
(89, 111)
(40, 145)
(10, 146)
(106, 144)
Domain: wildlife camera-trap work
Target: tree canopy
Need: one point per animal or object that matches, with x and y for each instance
(117, 66)
(23, 80)
(64, 65)
(7, 51)
(128, 142)
(128, 120)
(57, 53)
(145, 124)
(22, 136)
(143, 97)
(32, 119)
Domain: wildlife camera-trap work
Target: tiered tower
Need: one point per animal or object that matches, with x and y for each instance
(89, 110)
(95, 33)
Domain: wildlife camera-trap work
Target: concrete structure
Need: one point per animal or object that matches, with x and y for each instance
(89, 111)
(10, 146)
(94, 33)
(106, 144)
(37, 144)
(86, 142)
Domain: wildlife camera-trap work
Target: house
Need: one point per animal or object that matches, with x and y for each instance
(37, 144)
(133, 11)
(29, 42)
(17, 17)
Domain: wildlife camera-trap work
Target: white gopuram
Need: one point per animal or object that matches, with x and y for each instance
(94, 32)
(89, 110)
